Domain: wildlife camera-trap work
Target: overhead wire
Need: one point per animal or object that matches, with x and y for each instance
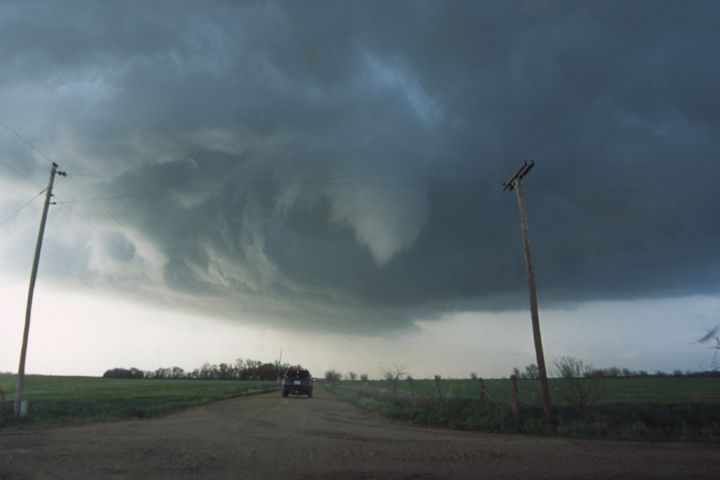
(347, 181)
(29, 145)
(283, 184)
(212, 184)
(321, 181)
(112, 217)
(625, 164)
(121, 197)
(25, 141)
(106, 237)
(92, 197)
(638, 190)
(19, 173)
(306, 181)
(22, 207)
(45, 156)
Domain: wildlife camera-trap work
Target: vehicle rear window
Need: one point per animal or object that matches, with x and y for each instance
(297, 374)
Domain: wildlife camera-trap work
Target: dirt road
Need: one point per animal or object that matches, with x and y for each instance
(265, 436)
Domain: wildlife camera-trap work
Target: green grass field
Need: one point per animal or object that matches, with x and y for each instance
(636, 408)
(655, 408)
(55, 399)
(645, 390)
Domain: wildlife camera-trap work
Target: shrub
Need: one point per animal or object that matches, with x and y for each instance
(577, 386)
(332, 376)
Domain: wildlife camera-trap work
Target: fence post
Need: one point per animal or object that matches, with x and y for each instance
(440, 395)
(483, 402)
(514, 398)
(438, 387)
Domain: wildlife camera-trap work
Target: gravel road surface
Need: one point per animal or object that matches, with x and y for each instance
(268, 437)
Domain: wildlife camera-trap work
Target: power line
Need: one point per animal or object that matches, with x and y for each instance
(639, 190)
(45, 156)
(308, 181)
(404, 171)
(26, 142)
(334, 182)
(23, 206)
(17, 172)
(251, 182)
(399, 184)
(112, 242)
(330, 181)
(638, 164)
(122, 197)
(284, 184)
(111, 216)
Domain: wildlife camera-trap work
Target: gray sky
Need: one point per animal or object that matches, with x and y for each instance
(332, 171)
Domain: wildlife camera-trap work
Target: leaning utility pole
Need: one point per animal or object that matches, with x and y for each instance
(19, 390)
(514, 183)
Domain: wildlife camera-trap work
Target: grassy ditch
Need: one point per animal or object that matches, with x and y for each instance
(632, 408)
(55, 399)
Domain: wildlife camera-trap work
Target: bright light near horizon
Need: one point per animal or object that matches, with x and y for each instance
(78, 334)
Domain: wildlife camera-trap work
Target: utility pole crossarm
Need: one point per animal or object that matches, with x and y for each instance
(518, 175)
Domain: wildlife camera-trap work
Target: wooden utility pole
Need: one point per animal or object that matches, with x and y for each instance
(515, 183)
(20, 387)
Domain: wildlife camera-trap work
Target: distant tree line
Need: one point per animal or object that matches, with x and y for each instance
(124, 373)
(240, 370)
(333, 376)
(614, 372)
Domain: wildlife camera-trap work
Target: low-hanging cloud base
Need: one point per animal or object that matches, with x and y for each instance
(333, 169)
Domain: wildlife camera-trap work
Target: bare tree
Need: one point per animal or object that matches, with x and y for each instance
(531, 372)
(393, 376)
(332, 376)
(575, 388)
(352, 376)
(712, 336)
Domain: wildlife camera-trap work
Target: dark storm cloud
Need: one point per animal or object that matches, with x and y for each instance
(338, 164)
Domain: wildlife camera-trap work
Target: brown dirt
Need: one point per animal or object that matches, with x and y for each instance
(266, 436)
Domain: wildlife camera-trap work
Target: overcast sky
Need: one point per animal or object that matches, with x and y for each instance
(325, 178)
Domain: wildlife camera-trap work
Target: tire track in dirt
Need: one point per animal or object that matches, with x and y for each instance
(267, 437)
